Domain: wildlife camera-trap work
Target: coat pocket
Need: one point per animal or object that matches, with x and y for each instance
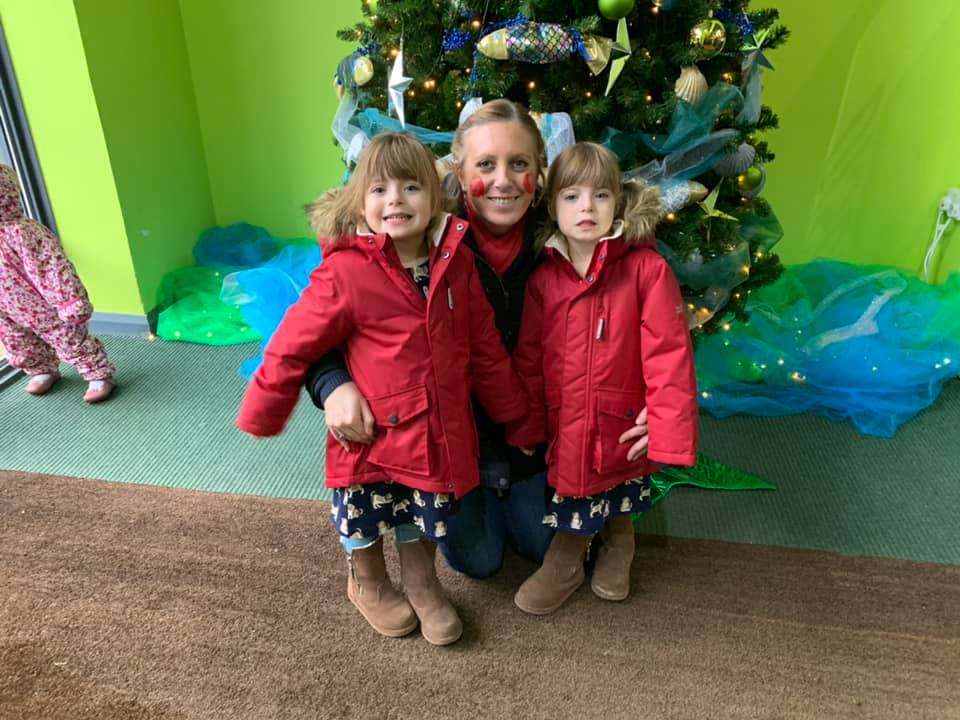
(616, 413)
(403, 431)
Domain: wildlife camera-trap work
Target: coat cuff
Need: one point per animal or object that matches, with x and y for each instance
(682, 459)
(326, 384)
(523, 434)
(258, 429)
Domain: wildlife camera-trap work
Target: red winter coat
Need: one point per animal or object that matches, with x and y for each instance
(593, 352)
(416, 360)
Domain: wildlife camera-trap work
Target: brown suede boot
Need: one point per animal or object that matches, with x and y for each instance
(439, 622)
(611, 574)
(560, 575)
(370, 590)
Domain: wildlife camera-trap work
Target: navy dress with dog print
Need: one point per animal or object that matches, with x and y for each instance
(588, 515)
(368, 511)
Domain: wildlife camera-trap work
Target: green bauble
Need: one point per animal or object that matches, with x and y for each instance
(615, 9)
(708, 37)
(750, 180)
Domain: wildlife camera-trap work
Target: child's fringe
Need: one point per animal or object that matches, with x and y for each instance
(642, 209)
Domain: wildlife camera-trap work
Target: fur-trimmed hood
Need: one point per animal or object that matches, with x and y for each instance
(642, 209)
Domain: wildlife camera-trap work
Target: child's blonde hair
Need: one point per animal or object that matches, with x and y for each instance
(400, 156)
(638, 204)
(501, 110)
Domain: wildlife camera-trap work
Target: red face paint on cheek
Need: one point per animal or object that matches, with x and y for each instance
(528, 185)
(477, 188)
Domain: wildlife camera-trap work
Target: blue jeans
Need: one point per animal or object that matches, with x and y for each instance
(486, 521)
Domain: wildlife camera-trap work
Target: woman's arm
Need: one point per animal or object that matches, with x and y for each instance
(346, 411)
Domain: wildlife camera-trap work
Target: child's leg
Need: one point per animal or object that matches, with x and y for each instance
(75, 346)
(524, 508)
(611, 574)
(370, 590)
(558, 578)
(439, 622)
(475, 535)
(26, 350)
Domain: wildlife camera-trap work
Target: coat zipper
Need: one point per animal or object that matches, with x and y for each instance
(591, 423)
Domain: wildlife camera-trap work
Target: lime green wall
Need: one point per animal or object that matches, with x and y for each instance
(51, 70)
(868, 144)
(263, 76)
(138, 65)
(864, 153)
(219, 111)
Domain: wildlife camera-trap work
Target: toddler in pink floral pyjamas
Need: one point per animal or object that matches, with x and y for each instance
(44, 307)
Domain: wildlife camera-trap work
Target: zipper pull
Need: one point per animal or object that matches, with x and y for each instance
(450, 297)
(599, 329)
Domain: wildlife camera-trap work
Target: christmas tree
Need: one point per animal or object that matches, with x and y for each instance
(671, 86)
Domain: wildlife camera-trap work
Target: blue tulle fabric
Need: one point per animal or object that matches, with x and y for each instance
(264, 293)
(872, 345)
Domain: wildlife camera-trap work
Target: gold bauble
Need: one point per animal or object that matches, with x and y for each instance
(708, 37)
(362, 70)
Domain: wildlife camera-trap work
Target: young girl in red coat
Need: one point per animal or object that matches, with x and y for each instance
(604, 334)
(398, 293)
(44, 307)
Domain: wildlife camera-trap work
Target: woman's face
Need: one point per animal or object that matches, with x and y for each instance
(498, 172)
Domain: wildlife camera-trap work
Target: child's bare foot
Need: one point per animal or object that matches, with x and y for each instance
(99, 390)
(41, 384)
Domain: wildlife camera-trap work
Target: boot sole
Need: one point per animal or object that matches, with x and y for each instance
(607, 595)
(548, 610)
(387, 632)
(439, 642)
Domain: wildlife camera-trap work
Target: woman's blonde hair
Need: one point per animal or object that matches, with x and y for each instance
(400, 156)
(638, 204)
(501, 110)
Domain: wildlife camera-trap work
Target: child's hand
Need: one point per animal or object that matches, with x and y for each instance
(639, 433)
(528, 451)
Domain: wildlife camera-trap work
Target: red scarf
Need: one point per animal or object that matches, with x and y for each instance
(498, 250)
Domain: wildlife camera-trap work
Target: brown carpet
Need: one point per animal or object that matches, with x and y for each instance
(120, 601)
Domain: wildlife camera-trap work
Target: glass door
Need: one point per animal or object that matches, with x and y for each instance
(17, 151)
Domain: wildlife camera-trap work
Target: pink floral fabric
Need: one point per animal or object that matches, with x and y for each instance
(44, 307)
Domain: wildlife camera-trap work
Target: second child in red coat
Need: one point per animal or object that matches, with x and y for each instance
(398, 293)
(604, 334)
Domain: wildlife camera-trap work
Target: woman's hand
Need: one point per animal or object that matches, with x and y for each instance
(348, 416)
(639, 433)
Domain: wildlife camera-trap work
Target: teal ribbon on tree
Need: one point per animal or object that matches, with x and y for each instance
(373, 122)
(690, 126)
